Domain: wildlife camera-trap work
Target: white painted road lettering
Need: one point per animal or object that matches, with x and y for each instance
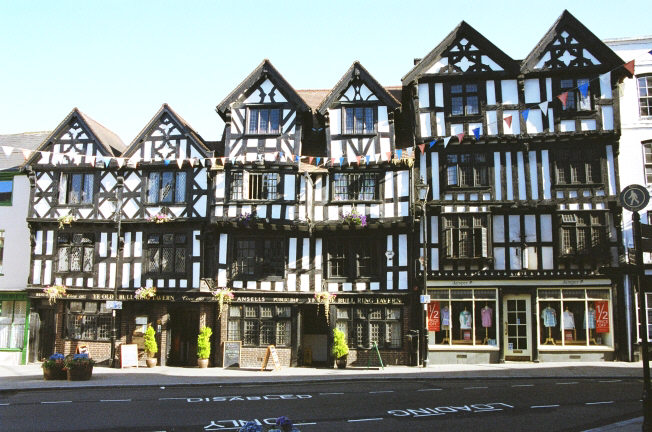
(427, 412)
(248, 398)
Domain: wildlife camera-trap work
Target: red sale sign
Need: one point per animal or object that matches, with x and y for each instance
(434, 323)
(602, 317)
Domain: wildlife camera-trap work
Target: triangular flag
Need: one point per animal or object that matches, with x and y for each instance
(525, 114)
(107, 162)
(650, 52)
(422, 147)
(297, 158)
(629, 66)
(332, 161)
(213, 161)
(357, 159)
(366, 160)
(166, 162)
(223, 160)
(26, 153)
(432, 143)
(310, 158)
(46, 155)
(8, 150)
(584, 89)
(460, 137)
(508, 120)
(180, 162)
(132, 164)
(446, 140)
(563, 97)
(389, 155)
(476, 133)
(398, 153)
(318, 160)
(341, 161)
(543, 106)
(77, 159)
(120, 161)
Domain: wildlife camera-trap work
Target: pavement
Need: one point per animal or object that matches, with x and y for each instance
(30, 377)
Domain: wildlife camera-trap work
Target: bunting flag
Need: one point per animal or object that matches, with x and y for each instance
(297, 159)
(8, 150)
(476, 133)
(563, 97)
(107, 162)
(318, 160)
(629, 66)
(446, 141)
(166, 162)
(422, 147)
(543, 106)
(310, 158)
(77, 159)
(90, 160)
(223, 161)
(508, 120)
(398, 153)
(432, 143)
(213, 161)
(358, 159)
(120, 161)
(366, 160)
(650, 52)
(389, 156)
(584, 89)
(460, 137)
(525, 114)
(180, 162)
(26, 153)
(341, 161)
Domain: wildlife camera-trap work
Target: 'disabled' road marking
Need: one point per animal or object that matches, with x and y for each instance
(331, 393)
(544, 406)
(55, 402)
(115, 400)
(567, 383)
(367, 419)
(473, 388)
(430, 389)
(523, 385)
(599, 403)
(382, 391)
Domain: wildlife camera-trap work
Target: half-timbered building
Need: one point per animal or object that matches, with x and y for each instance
(520, 157)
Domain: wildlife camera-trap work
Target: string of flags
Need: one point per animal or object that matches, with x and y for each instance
(605, 80)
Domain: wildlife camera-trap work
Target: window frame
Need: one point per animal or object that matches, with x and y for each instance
(569, 166)
(66, 241)
(238, 325)
(347, 256)
(474, 169)
(2, 251)
(360, 321)
(174, 188)
(647, 96)
(574, 102)
(572, 224)
(177, 244)
(9, 179)
(242, 187)
(474, 237)
(75, 321)
(264, 261)
(66, 191)
(354, 187)
(464, 94)
(15, 327)
(351, 111)
(254, 112)
(647, 161)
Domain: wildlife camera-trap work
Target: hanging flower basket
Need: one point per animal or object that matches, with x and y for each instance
(326, 299)
(145, 293)
(160, 218)
(66, 220)
(224, 296)
(354, 218)
(54, 292)
(245, 219)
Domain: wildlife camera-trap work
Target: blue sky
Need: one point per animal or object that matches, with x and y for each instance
(118, 61)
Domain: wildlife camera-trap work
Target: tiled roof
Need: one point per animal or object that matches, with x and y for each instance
(26, 140)
(313, 97)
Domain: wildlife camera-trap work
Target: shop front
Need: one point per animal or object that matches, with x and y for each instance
(14, 327)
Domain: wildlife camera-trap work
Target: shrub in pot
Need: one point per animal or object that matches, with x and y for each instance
(340, 348)
(53, 367)
(151, 347)
(204, 346)
(79, 367)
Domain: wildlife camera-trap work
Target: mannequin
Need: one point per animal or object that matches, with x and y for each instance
(465, 319)
(549, 317)
(569, 321)
(590, 317)
(445, 323)
(486, 313)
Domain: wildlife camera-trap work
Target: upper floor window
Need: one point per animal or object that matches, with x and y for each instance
(359, 120)
(582, 233)
(464, 99)
(645, 95)
(166, 187)
(166, 253)
(76, 188)
(6, 190)
(465, 236)
(76, 252)
(264, 120)
(256, 258)
(355, 186)
(255, 186)
(352, 258)
(575, 101)
(577, 167)
(2, 250)
(647, 148)
(467, 170)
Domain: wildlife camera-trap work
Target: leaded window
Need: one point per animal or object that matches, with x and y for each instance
(645, 95)
(256, 258)
(13, 314)
(355, 186)
(647, 149)
(264, 121)
(88, 321)
(578, 95)
(464, 99)
(359, 120)
(352, 258)
(260, 325)
(467, 170)
(246, 185)
(365, 325)
(76, 188)
(166, 187)
(465, 236)
(76, 252)
(583, 233)
(577, 167)
(166, 253)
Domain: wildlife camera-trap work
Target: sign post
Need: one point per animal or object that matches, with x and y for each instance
(634, 198)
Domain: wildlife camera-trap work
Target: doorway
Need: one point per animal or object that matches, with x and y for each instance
(517, 327)
(183, 329)
(314, 335)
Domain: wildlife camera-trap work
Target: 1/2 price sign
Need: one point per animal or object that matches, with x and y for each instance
(602, 317)
(434, 321)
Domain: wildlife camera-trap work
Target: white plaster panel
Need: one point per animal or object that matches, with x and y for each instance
(534, 181)
(137, 273)
(47, 273)
(266, 286)
(304, 282)
(219, 185)
(195, 274)
(403, 178)
(424, 95)
(276, 211)
(289, 187)
(508, 175)
(251, 285)
(112, 272)
(534, 123)
(114, 244)
(499, 228)
(587, 124)
(36, 273)
(545, 174)
(546, 258)
(491, 92)
(521, 176)
(402, 250)
(439, 95)
(389, 210)
(605, 86)
(457, 129)
(492, 123)
(126, 251)
(509, 92)
(291, 282)
(101, 275)
(221, 278)
(530, 228)
(499, 258)
(434, 229)
(515, 258)
(383, 122)
(546, 227)
(514, 228)
(532, 91)
(305, 258)
(607, 117)
(403, 209)
(389, 185)
(402, 280)
(440, 123)
(374, 211)
(335, 117)
(125, 275)
(292, 255)
(38, 243)
(611, 170)
(567, 126)
(424, 124)
(515, 127)
(49, 242)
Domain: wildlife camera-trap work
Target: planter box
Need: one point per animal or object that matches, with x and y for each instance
(80, 373)
(54, 373)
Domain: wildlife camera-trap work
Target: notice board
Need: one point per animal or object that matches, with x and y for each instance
(128, 355)
(231, 354)
(271, 351)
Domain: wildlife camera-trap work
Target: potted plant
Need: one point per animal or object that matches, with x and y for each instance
(79, 367)
(145, 293)
(53, 368)
(151, 347)
(54, 292)
(204, 346)
(340, 349)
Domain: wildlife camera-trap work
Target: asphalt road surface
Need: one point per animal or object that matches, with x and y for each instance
(390, 405)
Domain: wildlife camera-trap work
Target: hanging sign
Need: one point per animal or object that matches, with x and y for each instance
(434, 322)
(602, 317)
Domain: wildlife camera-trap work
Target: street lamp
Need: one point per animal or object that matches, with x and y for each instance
(118, 220)
(422, 189)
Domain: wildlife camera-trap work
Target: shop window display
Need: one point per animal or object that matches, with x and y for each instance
(574, 317)
(463, 317)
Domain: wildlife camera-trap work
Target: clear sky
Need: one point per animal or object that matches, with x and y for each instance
(118, 61)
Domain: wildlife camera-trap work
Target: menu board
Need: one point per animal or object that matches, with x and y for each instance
(231, 355)
(128, 355)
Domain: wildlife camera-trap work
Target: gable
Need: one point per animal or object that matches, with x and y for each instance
(358, 92)
(565, 51)
(464, 56)
(266, 92)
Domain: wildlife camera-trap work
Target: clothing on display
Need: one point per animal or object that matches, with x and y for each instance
(445, 316)
(465, 319)
(487, 316)
(591, 317)
(549, 316)
(569, 320)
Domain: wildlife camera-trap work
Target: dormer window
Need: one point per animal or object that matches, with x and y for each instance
(359, 120)
(76, 188)
(575, 101)
(464, 99)
(166, 187)
(264, 121)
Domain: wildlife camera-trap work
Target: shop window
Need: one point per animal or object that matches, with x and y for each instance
(582, 234)
(255, 186)
(645, 95)
(257, 258)
(264, 121)
(12, 324)
(76, 252)
(575, 101)
(76, 188)
(260, 325)
(463, 317)
(464, 99)
(355, 186)
(648, 311)
(465, 237)
(359, 120)
(166, 253)
(574, 317)
(166, 187)
(352, 258)
(467, 170)
(574, 167)
(89, 321)
(366, 325)
(647, 149)
(6, 190)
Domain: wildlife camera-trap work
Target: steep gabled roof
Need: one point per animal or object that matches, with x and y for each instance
(462, 31)
(165, 109)
(104, 137)
(264, 70)
(568, 23)
(354, 73)
(25, 140)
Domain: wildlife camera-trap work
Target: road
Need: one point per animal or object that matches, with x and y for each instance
(392, 405)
